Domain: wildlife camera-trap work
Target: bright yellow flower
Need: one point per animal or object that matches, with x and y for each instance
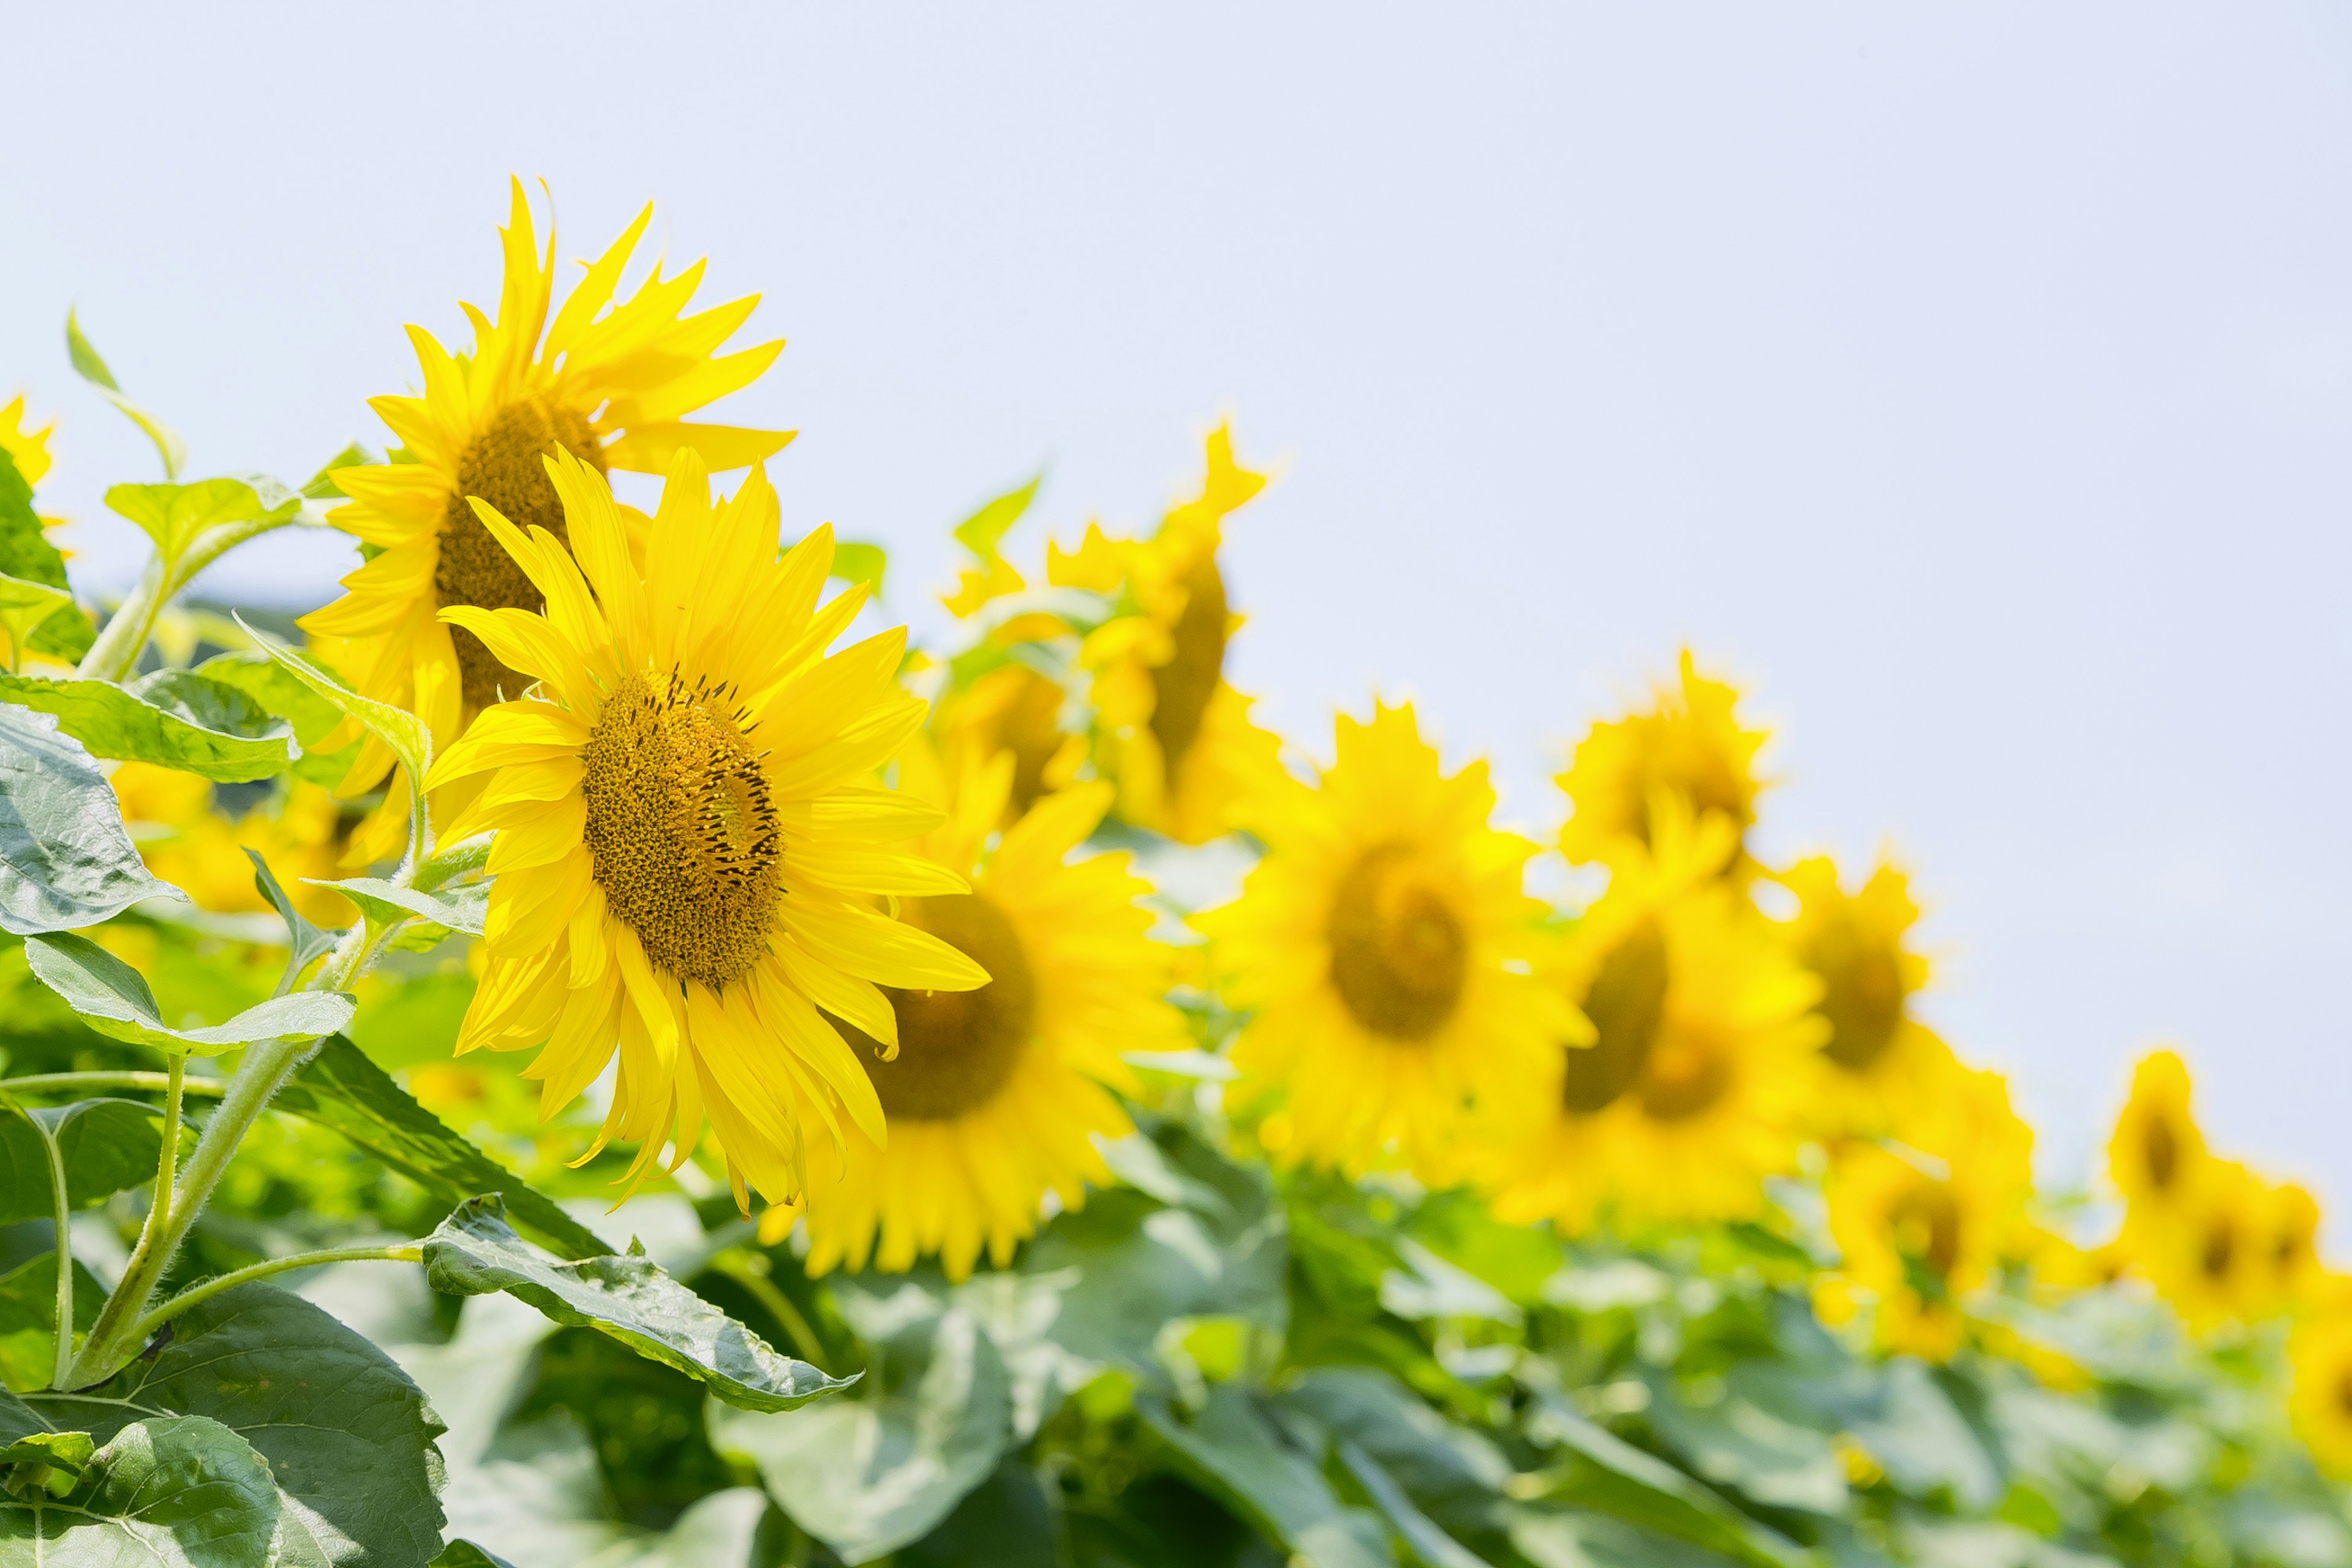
(1172, 734)
(995, 1097)
(1921, 1226)
(28, 450)
(606, 381)
(688, 838)
(1879, 1060)
(2232, 1249)
(1013, 708)
(1689, 743)
(2321, 1401)
(1380, 949)
(186, 842)
(1702, 1057)
(2156, 1155)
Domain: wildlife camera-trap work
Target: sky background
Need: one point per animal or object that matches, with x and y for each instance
(1971, 383)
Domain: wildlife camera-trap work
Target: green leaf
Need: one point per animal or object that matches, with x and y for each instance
(168, 445)
(1611, 1475)
(28, 1318)
(107, 1145)
(405, 732)
(171, 1492)
(322, 485)
(64, 858)
(980, 531)
(1009, 1512)
(275, 689)
(112, 999)
(25, 607)
(304, 941)
(1235, 1453)
(27, 556)
(348, 1437)
(173, 515)
(386, 905)
(466, 1554)
(1456, 1475)
(869, 1475)
(857, 562)
(1754, 1439)
(173, 718)
(475, 1252)
(340, 1088)
(1576, 1540)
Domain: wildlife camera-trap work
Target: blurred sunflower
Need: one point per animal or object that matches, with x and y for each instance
(688, 841)
(1174, 736)
(1701, 1055)
(607, 381)
(2207, 1258)
(1016, 711)
(1879, 1061)
(1380, 947)
(1921, 1227)
(2320, 1403)
(1690, 743)
(27, 450)
(2156, 1155)
(995, 1097)
(186, 841)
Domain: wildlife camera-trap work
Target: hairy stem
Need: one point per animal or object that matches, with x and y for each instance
(65, 1252)
(167, 1162)
(407, 1253)
(124, 638)
(74, 1082)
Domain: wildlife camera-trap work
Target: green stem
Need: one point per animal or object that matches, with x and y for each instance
(73, 1082)
(115, 654)
(408, 1253)
(65, 1251)
(167, 1164)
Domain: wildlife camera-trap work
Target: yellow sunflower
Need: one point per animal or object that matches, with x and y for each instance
(2208, 1256)
(1878, 1059)
(2156, 1155)
(995, 1097)
(1690, 743)
(1921, 1226)
(2321, 1401)
(186, 842)
(27, 449)
(607, 380)
(1014, 710)
(1380, 949)
(688, 838)
(1702, 1056)
(1171, 733)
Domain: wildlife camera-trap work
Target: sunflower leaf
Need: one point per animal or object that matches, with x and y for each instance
(322, 485)
(475, 1253)
(93, 369)
(66, 859)
(348, 1437)
(27, 556)
(28, 1318)
(1234, 1450)
(107, 1145)
(112, 999)
(340, 1088)
(854, 562)
(386, 904)
(173, 1491)
(411, 743)
(172, 717)
(304, 941)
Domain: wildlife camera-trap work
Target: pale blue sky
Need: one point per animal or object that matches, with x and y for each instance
(1973, 380)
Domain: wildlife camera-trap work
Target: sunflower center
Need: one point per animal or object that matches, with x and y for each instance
(956, 1049)
(1862, 993)
(502, 466)
(1926, 1224)
(1626, 1003)
(2162, 1152)
(2344, 1394)
(1399, 951)
(1030, 728)
(681, 832)
(1183, 686)
(2220, 1250)
(1687, 1073)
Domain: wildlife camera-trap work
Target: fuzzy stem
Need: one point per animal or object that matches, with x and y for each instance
(56, 1083)
(407, 1253)
(65, 1252)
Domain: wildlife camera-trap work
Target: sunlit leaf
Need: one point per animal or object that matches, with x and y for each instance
(114, 999)
(167, 1492)
(173, 718)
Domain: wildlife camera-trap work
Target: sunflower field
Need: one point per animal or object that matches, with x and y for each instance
(590, 1049)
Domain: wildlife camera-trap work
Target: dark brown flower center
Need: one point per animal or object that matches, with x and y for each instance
(956, 1049)
(1183, 686)
(1862, 991)
(681, 830)
(2159, 1150)
(2221, 1249)
(502, 466)
(1626, 1003)
(1399, 951)
(1688, 1070)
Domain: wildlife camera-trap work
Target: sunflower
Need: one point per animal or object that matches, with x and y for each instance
(1919, 1227)
(605, 381)
(1689, 742)
(2234, 1249)
(1701, 1060)
(185, 841)
(1879, 1059)
(2156, 1155)
(688, 838)
(27, 450)
(1171, 732)
(1381, 947)
(2321, 1401)
(1017, 710)
(995, 1097)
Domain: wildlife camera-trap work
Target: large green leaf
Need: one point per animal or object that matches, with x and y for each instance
(279, 691)
(868, 1475)
(64, 858)
(1608, 1475)
(25, 608)
(403, 731)
(173, 718)
(386, 904)
(348, 1436)
(1232, 1449)
(475, 1252)
(1755, 1438)
(1454, 1475)
(107, 1144)
(340, 1088)
(27, 556)
(112, 999)
(175, 515)
(28, 1318)
(168, 1491)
